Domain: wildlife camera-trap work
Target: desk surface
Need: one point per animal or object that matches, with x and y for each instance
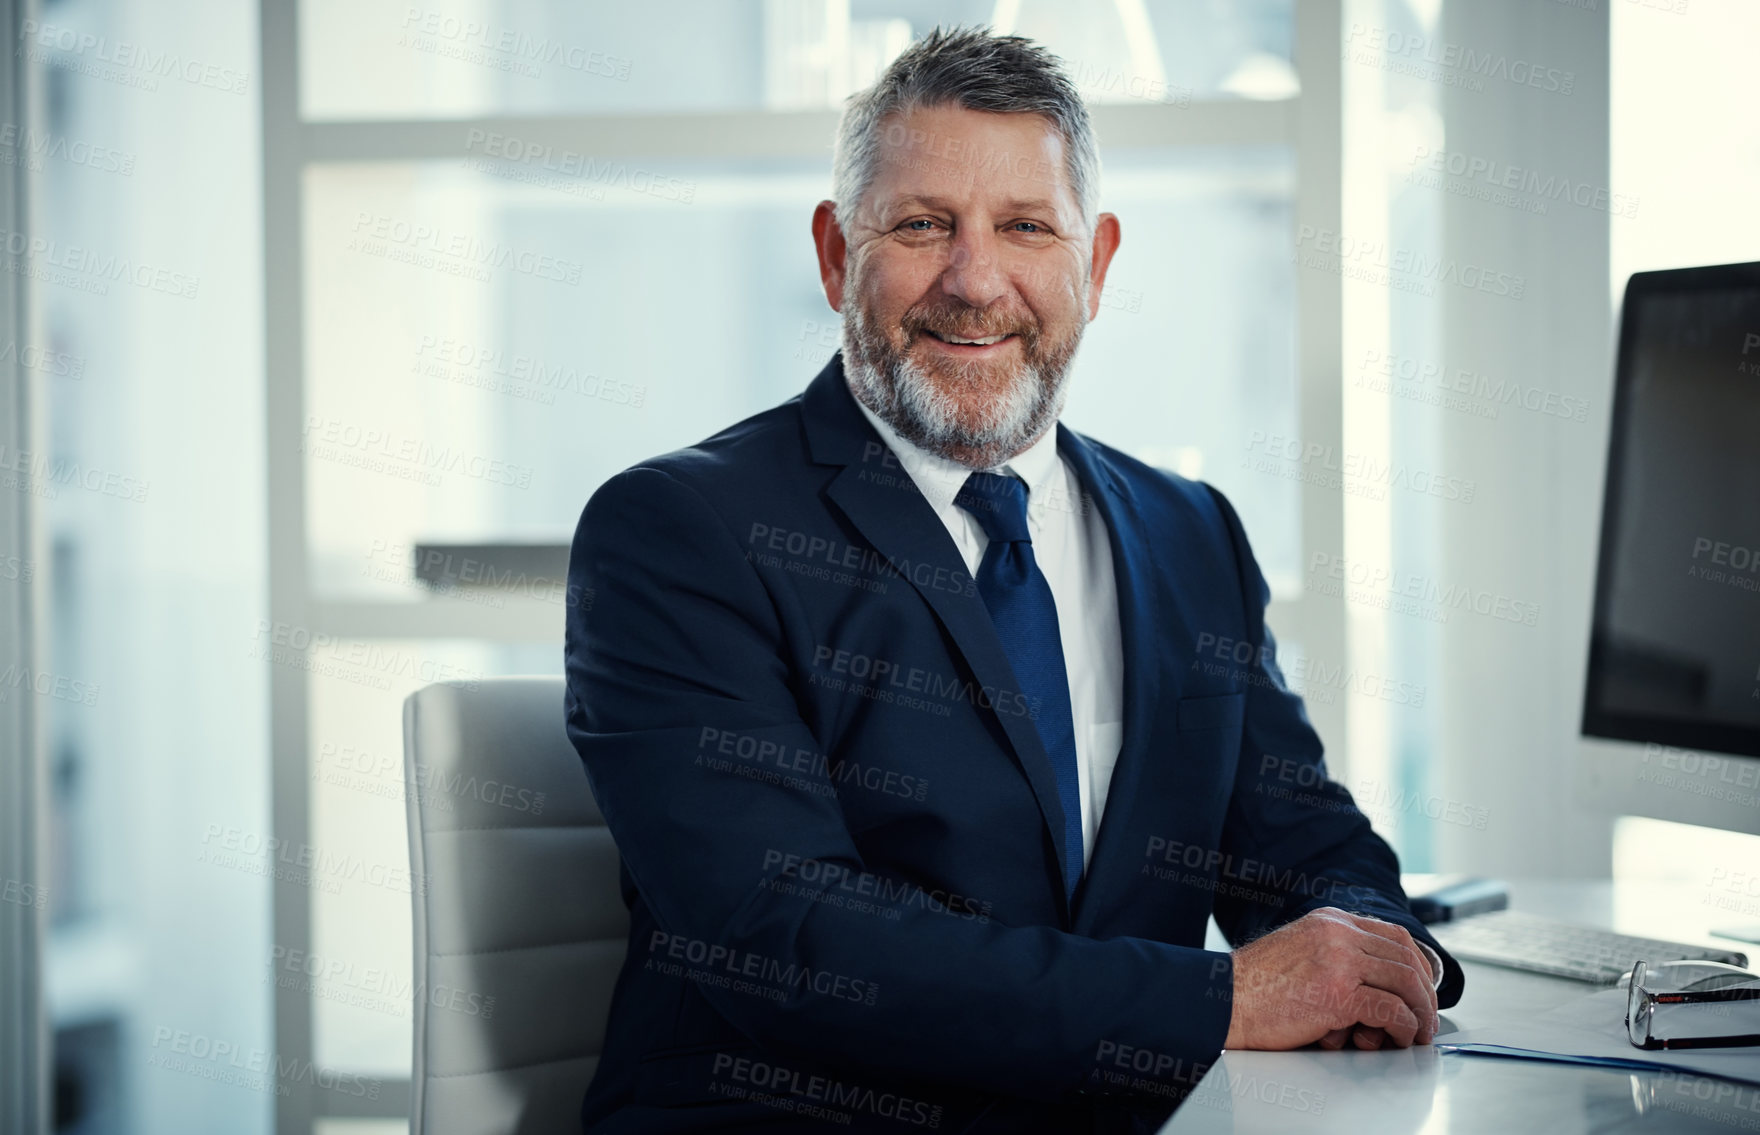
(1421, 1090)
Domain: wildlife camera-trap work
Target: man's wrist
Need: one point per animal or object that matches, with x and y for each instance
(1435, 961)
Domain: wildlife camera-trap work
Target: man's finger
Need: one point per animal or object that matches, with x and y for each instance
(1394, 933)
(1403, 982)
(1367, 1038)
(1401, 939)
(1335, 1039)
(1392, 952)
(1381, 1009)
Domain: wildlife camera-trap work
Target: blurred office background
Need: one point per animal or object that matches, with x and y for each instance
(327, 306)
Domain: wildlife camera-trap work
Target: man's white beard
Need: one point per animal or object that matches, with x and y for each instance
(906, 398)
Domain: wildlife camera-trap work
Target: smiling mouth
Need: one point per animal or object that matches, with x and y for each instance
(959, 341)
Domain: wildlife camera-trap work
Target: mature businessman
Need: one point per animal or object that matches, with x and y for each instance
(931, 732)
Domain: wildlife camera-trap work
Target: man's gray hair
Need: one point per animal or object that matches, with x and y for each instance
(978, 70)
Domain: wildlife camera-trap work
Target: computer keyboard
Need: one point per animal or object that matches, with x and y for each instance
(1582, 953)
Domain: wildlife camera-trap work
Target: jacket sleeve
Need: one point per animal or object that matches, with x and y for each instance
(1294, 840)
(681, 635)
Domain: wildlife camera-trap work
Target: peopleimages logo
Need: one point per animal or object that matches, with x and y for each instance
(406, 458)
(813, 1096)
(132, 63)
(367, 987)
(1732, 565)
(574, 168)
(883, 679)
(823, 878)
(1458, 62)
(1494, 174)
(1457, 388)
(782, 978)
(1214, 863)
(20, 893)
(1392, 266)
(89, 269)
(507, 48)
(32, 146)
(1366, 469)
(1709, 766)
(815, 556)
(421, 243)
(1406, 593)
(44, 684)
(229, 1062)
(816, 769)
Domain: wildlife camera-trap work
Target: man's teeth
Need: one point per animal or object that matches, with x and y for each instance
(972, 342)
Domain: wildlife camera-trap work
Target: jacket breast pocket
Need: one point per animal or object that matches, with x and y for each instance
(1220, 711)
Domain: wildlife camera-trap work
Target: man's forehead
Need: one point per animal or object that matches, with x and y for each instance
(950, 154)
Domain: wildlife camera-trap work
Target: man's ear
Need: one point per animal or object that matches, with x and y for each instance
(1106, 237)
(828, 239)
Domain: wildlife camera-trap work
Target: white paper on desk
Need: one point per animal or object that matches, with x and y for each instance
(1592, 1030)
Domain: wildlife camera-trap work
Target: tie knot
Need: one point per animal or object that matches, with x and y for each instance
(1000, 504)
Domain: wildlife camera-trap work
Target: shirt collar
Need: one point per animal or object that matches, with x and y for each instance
(940, 479)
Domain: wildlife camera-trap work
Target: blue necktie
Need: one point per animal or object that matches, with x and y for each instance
(1025, 616)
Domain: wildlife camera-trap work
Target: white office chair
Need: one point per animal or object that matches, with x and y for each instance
(519, 924)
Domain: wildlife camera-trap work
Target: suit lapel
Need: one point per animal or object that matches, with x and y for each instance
(884, 504)
(1151, 631)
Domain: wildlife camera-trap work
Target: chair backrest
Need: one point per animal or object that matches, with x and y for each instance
(520, 926)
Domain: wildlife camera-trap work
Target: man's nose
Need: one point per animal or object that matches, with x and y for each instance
(974, 270)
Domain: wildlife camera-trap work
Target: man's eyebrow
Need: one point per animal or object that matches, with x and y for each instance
(941, 204)
(913, 201)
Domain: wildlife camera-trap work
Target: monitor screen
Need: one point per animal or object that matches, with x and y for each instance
(1674, 652)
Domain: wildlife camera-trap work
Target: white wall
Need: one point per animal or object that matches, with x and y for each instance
(1512, 693)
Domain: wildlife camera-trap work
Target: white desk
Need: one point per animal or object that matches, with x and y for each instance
(1421, 1090)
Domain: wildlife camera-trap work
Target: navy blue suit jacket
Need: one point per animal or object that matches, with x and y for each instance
(841, 833)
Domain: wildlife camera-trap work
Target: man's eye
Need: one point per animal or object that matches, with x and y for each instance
(1028, 227)
(920, 225)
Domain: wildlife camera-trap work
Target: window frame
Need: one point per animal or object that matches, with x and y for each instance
(25, 1049)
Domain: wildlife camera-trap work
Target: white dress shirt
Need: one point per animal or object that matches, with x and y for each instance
(1071, 546)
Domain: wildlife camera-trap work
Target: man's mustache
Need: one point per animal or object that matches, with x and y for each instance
(970, 323)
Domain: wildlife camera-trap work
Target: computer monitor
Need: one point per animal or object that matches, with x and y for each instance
(1674, 651)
